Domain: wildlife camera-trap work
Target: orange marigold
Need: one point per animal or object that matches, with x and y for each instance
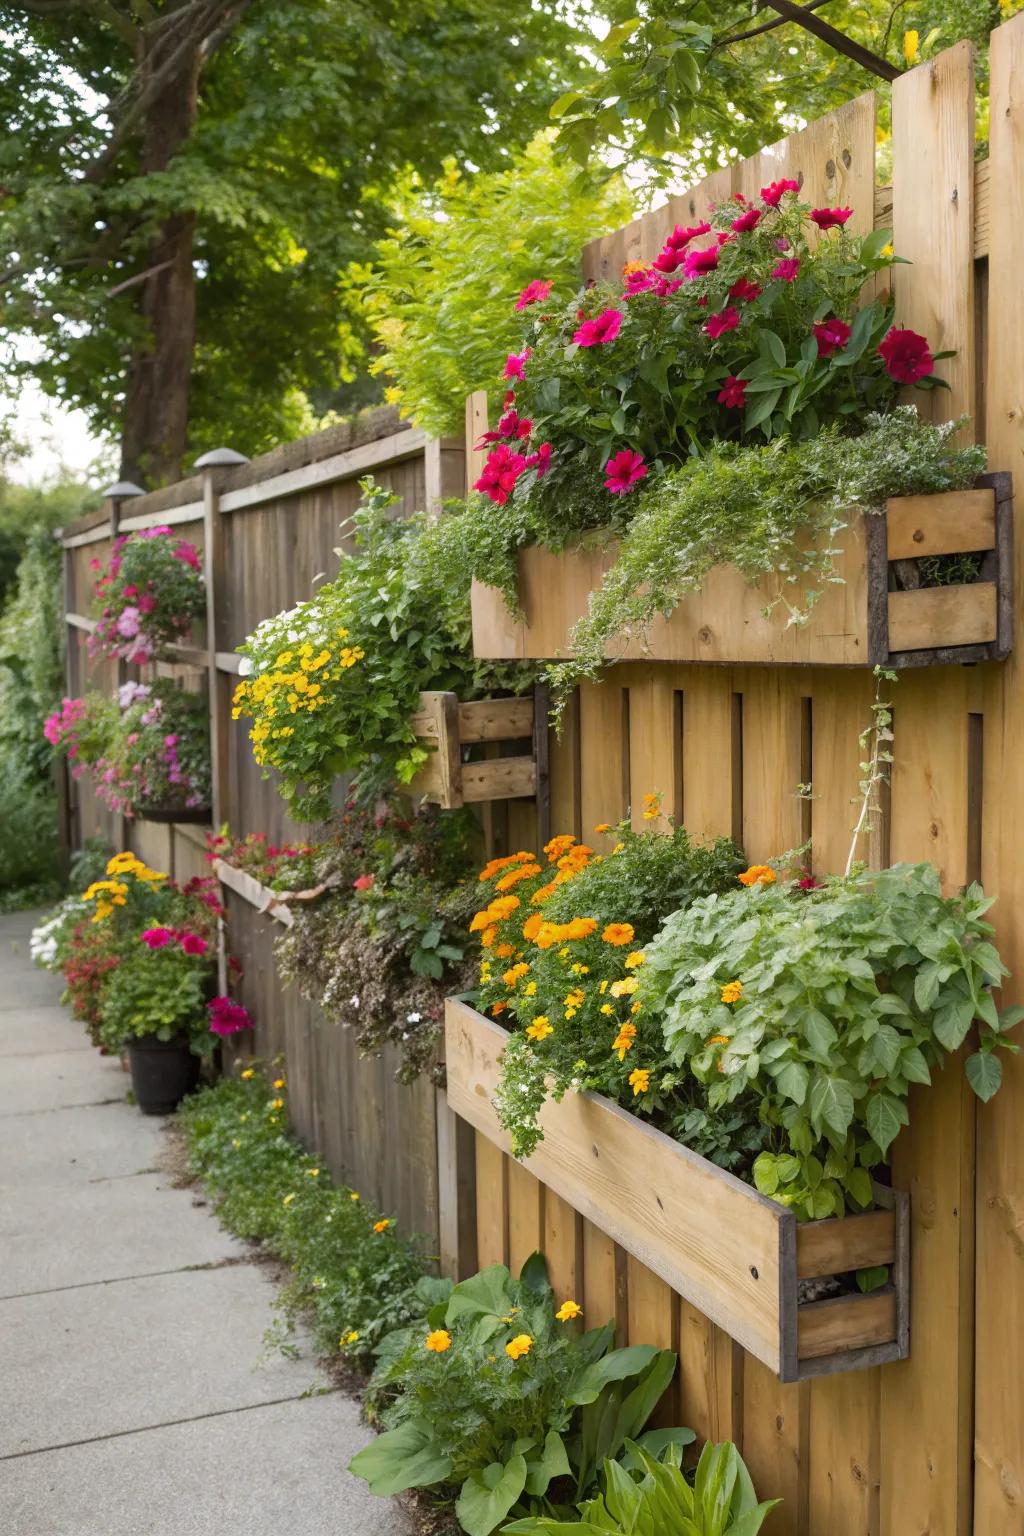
(495, 866)
(758, 874)
(618, 934)
(524, 872)
(580, 928)
(558, 845)
(532, 926)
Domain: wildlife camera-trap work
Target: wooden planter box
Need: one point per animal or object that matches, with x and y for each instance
(447, 727)
(878, 615)
(734, 1254)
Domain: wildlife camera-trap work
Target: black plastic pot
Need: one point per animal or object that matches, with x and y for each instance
(163, 1073)
(198, 814)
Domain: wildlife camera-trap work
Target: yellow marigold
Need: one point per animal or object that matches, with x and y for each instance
(606, 1008)
(547, 935)
(488, 936)
(502, 907)
(532, 927)
(635, 960)
(557, 846)
(624, 1040)
(652, 807)
(382, 1226)
(515, 973)
(758, 874)
(278, 1081)
(249, 1072)
(312, 1173)
(277, 1104)
(568, 1311)
(576, 859)
(619, 847)
(639, 1081)
(530, 989)
(625, 987)
(542, 893)
(602, 987)
(719, 1040)
(732, 992)
(635, 1007)
(575, 999)
(355, 1196)
(519, 1346)
(348, 1338)
(540, 1028)
(438, 1341)
(618, 934)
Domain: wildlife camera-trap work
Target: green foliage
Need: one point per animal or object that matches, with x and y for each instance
(307, 112)
(847, 994)
(334, 682)
(567, 976)
(655, 1499)
(442, 288)
(161, 992)
(354, 1282)
(494, 1398)
(385, 943)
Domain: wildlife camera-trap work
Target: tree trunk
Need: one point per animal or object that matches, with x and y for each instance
(155, 423)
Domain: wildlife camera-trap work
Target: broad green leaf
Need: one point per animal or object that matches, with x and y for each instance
(401, 1458)
(984, 1073)
(618, 1366)
(487, 1496)
(831, 1103)
(884, 1117)
(487, 1293)
(552, 1462)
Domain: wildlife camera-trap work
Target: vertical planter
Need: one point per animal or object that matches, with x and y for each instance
(452, 777)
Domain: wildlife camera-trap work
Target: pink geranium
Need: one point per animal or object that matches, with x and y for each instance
(500, 473)
(699, 263)
(192, 944)
(624, 471)
(906, 355)
(603, 329)
(786, 269)
(157, 938)
(726, 320)
(747, 221)
(733, 393)
(515, 363)
(772, 194)
(534, 293)
(831, 336)
(831, 218)
(128, 622)
(226, 1017)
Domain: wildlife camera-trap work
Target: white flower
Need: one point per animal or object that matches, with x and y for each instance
(413, 1018)
(354, 1001)
(245, 666)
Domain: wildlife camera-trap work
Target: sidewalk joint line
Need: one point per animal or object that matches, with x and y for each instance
(232, 1261)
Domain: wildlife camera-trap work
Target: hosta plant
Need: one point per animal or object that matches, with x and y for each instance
(656, 1499)
(148, 595)
(497, 1401)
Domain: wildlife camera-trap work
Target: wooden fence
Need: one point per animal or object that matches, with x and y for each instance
(932, 1446)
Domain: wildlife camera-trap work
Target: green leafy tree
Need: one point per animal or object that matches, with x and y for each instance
(182, 181)
(442, 290)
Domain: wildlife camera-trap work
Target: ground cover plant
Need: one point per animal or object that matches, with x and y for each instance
(352, 1272)
(495, 1400)
(380, 908)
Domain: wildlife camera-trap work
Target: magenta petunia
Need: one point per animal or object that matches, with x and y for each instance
(226, 1017)
(157, 938)
(534, 293)
(603, 329)
(670, 259)
(638, 282)
(831, 336)
(726, 320)
(666, 285)
(540, 461)
(906, 355)
(747, 221)
(515, 364)
(786, 269)
(831, 218)
(733, 393)
(700, 262)
(513, 426)
(624, 471)
(681, 235)
(773, 193)
(744, 290)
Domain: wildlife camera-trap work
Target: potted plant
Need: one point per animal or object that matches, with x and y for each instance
(148, 597)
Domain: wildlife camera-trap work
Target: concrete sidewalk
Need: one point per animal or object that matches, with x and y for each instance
(135, 1398)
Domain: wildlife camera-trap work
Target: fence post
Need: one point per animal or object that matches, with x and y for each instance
(121, 490)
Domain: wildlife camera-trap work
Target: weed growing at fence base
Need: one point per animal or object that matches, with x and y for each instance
(351, 1271)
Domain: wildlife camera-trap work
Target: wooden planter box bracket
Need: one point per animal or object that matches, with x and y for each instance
(448, 727)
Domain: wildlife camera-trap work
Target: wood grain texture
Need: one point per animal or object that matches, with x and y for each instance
(940, 525)
(942, 616)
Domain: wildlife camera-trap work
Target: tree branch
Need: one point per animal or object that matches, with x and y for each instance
(766, 26)
(140, 277)
(836, 39)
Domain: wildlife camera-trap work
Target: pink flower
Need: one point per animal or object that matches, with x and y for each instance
(669, 259)
(624, 471)
(809, 882)
(698, 263)
(680, 236)
(666, 285)
(831, 335)
(147, 603)
(533, 293)
(128, 622)
(906, 355)
(638, 282)
(723, 237)
(362, 883)
(94, 564)
(744, 290)
(515, 363)
(226, 1017)
(188, 553)
(747, 221)
(129, 591)
(831, 218)
(787, 269)
(726, 320)
(781, 243)
(540, 461)
(733, 393)
(500, 473)
(514, 426)
(595, 333)
(157, 938)
(192, 944)
(772, 194)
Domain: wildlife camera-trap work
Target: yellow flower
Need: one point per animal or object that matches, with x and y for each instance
(312, 1173)
(348, 1338)
(719, 1040)
(618, 847)
(540, 1028)
(758, 874)
(732, 992)
(288, 1199)
(530, 989)
(353, 1196)
(624, 1040)
(639, 1081)
(277, 1104)
(438, 1341)
(382, 1226)
(519, 1346)
(602, 987)
(635, 960)
(606, 1008)
(887, 250)
(236, 1143)
(625, 987)
(278, 1081)
(247, 1074)
(568, 1311)
(912, 45)
(652, 807)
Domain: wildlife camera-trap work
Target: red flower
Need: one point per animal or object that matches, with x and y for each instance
(594, 333)
(670, 259)
(533, 293)
(831, 335)
(192, 944)
(787, 269)
(512, 425)
(747, 221)
(157, 938)
(363, 883)
(744, 290)
(623, 472)
(540, 461)
(697, 263)
(500, 474)
(666, 285)
(733, 393)
(831, 218)
(723, 237)
(226, 1017)
(515, 363)
(809, 882)
(726, 320)
(681, 236)
(906, 355)
(772, 194)
(638, 282)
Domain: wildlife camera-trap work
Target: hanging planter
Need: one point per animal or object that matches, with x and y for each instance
(739, 1257)
(447, 728)
(199, 815)
(888, 609)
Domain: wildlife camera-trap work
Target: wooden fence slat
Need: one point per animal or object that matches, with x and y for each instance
(999, 1423)
(491, 1203)
(653, 1318)
(563, 1246)
(525, 1215)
